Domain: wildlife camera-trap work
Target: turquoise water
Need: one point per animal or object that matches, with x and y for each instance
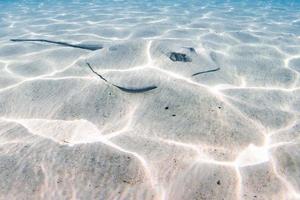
(19, 18)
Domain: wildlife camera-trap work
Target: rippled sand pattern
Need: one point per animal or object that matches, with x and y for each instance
(137, 124)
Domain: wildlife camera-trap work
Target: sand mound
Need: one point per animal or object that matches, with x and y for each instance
(184, 100)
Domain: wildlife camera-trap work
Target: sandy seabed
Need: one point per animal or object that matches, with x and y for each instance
(172, 100)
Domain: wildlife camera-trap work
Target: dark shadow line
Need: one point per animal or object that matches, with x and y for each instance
(88, 64)
(129, 90)
(136, 90)
(79, 46)
(208, 71)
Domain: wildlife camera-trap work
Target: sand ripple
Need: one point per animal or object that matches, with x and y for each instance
(231, 131)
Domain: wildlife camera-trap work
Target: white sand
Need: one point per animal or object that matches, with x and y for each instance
(230, 133)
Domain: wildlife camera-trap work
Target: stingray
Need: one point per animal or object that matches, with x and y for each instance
(174, 56)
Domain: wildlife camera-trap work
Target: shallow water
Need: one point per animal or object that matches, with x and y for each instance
(182, 100)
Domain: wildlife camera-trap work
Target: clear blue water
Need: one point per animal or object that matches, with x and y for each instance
(275, 16)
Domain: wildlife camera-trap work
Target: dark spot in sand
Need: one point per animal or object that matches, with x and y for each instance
(219, 182)
(124, 181)
(59, 180)
(219, 107)
(166, 108)
(173, 115)
(179, 57)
